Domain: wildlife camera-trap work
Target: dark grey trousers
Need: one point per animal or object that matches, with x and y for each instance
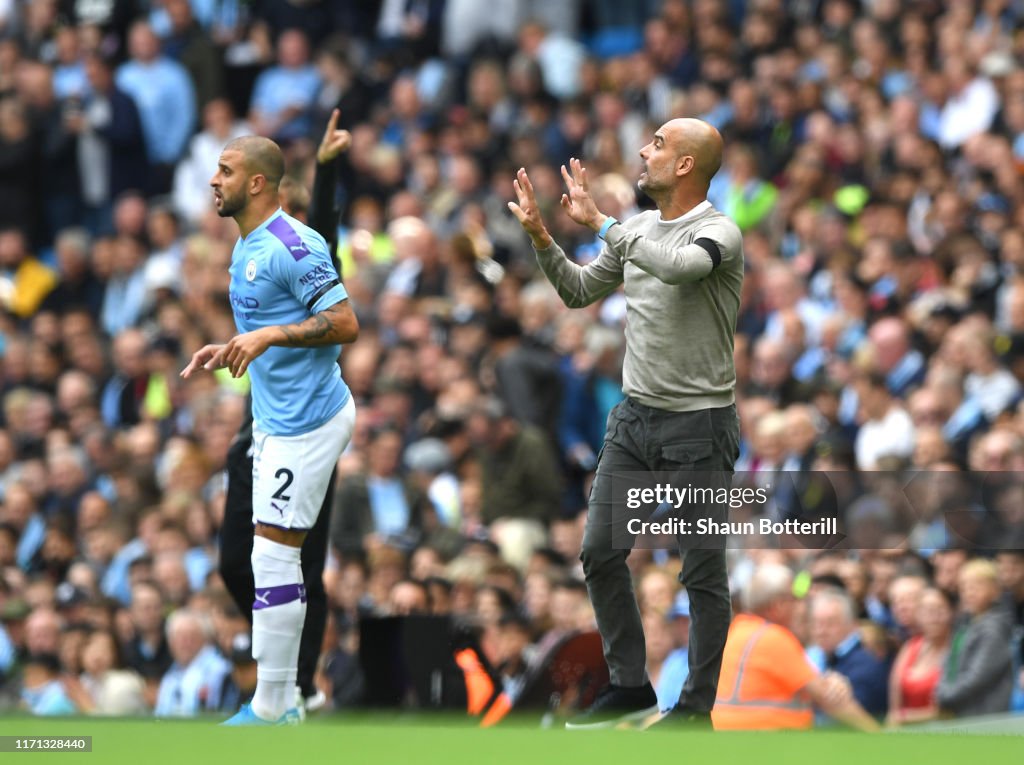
(641, 439)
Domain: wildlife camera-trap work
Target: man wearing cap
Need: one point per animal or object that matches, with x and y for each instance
(239, 684)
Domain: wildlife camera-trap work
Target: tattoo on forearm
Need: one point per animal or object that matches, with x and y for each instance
(318, 329)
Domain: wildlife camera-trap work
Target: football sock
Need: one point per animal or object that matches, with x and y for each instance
(277, 616)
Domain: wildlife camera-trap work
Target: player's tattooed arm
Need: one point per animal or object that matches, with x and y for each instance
(334, 325)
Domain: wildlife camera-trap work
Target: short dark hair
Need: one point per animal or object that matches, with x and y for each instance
(262, 157)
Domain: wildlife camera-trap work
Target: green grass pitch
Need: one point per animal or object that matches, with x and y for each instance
(426, 739)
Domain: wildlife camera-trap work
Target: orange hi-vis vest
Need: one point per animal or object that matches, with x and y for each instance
(764, 671)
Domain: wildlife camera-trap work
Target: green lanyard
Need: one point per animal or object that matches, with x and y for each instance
(953, 663)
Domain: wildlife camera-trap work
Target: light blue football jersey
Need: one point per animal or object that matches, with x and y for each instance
(282, 273)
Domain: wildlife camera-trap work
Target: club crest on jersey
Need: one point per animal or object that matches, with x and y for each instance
(250, 270)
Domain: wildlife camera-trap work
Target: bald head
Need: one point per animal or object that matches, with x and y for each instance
(697, 139)
(260, 156)
(679, 163)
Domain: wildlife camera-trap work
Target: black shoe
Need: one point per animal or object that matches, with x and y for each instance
(616, 705)
(680, 718)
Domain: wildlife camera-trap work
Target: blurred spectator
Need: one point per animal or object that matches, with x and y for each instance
(24, 280)
(42, 632)
(658, 637)
(78, 286)
(165, 97)
(112, 149)
(918, 666)
(105, 687)
(192, 194)
(42, 692)
(19, 156)
(748, 198)
(285, 93)
(677, 665)
(886, 429)
(144, 641)
(190, 45)
(904, 599)
(971, 104)
(977, 678)
(240, 684)
(195, 679)
(838, 646)
(379, 504)
(519, 473)
(526, 376)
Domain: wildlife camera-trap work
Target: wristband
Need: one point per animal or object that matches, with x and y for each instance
(608, 223)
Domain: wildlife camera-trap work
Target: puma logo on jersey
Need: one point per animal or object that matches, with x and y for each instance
(264, 598)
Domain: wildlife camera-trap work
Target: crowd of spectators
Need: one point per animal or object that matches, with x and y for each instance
(874, 153)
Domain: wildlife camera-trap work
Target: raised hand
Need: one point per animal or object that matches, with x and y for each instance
(527, 212)
(577, 203)
(334, 141)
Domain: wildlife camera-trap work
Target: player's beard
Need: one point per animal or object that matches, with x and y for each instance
(646, 183)
(231, 206)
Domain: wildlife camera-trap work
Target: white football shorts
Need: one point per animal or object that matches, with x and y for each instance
(290, 473)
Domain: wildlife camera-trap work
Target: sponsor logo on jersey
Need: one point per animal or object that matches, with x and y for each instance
(243, 304)
(318, 276)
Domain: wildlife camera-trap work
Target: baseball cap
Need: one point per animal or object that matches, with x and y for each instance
(995, 203)
(14, 610)
(429, 455)
(241, 649)
(68, 595)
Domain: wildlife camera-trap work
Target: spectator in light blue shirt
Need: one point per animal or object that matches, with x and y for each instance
(284, 94)
(69, 78)
(42, 691)
(125, 296)
(193, 683)
(163, 93)
(676, 667)
(8, 653)
(21, 512)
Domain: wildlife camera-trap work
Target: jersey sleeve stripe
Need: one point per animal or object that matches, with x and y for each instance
(321, 292)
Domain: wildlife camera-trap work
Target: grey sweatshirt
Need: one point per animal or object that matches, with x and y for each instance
(681, 306)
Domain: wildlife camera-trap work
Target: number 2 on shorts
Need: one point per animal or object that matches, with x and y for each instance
(288, 478)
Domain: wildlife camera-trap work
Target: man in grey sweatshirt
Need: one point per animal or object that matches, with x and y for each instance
(682, 269)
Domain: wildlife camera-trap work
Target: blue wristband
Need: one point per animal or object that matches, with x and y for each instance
(608, 223)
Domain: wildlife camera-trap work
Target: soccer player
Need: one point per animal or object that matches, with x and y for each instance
(292, 315)
(236, 531)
